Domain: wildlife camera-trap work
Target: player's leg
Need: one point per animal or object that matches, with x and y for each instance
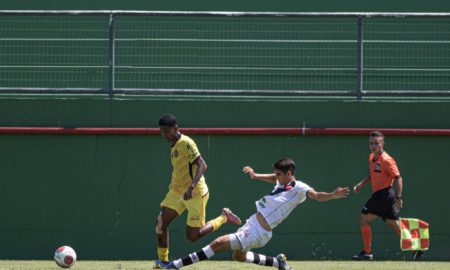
(165, 217)
(221, 243)
(252, 235)
(392, 214)
(171, 208)
(370, 212)
(260, 259)
(194, 233)
(394, 225)
(224, 243)
(196, 227)
(366, 232)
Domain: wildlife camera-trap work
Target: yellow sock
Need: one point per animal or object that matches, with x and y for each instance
(218, 222)
(163, 254)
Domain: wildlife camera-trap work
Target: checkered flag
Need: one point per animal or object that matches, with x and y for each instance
(415, 234)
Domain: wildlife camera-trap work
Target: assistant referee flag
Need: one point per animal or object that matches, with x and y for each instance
(415, 234)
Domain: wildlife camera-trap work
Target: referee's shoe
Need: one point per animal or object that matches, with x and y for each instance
(417, 255)
(363, 256)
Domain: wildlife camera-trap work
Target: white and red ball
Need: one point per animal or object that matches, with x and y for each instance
(65, 257)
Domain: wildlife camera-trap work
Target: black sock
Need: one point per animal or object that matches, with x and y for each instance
(201, 255)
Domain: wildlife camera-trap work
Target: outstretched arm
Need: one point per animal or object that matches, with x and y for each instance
(338, 193)
(269, 177)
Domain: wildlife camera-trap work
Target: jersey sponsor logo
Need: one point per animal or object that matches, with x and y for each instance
(262, 203)
(195, 218)
(377, 167)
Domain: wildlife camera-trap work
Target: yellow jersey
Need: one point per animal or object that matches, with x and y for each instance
(183, 154)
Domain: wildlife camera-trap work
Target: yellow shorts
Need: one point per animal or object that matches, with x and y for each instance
(196, 207)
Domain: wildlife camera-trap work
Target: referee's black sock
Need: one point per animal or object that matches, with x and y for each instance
(203, 254)
(260, 259)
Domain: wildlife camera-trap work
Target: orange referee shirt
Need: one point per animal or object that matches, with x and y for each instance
(382, 171)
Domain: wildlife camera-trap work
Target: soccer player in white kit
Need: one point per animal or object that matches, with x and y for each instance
(272, 209)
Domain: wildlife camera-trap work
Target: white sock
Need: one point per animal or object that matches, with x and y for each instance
(251, 257)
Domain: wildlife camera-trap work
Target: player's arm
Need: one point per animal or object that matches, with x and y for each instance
(399, 180)
(201, 169)
(269, 177)
(398, 197)
(395, 173)
(361, 184)
(319, 196)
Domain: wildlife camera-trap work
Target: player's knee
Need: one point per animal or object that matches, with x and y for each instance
(216, 243)
(192, 236)
(362, 220)
(160, 227)
(220, 243)
(238, 256)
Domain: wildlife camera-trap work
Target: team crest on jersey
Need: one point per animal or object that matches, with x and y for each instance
(175, 154)
(191, 151)
(377, 167)
(262, 203)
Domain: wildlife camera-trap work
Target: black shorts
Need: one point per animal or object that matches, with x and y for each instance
(382, 203)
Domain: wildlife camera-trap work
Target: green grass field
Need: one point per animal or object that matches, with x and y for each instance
(229, 265)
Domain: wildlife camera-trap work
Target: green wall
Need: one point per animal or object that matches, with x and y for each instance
(100, 194)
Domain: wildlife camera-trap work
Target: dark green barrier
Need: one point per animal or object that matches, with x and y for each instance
(100, 194)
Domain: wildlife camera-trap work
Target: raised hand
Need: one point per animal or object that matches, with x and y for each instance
(341, 192)
(250, 171)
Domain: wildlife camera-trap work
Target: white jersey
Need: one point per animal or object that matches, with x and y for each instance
(277, 206)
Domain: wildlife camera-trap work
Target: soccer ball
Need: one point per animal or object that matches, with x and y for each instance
(65, 257)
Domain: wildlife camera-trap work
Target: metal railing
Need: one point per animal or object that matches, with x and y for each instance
(407, 54)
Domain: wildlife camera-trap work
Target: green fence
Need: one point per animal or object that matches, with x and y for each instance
(225, 52)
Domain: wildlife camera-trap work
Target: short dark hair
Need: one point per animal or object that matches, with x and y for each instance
(285, 165)
(168, 119)
(376, 134)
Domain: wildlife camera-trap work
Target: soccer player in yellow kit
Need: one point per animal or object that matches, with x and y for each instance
(188, 190)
